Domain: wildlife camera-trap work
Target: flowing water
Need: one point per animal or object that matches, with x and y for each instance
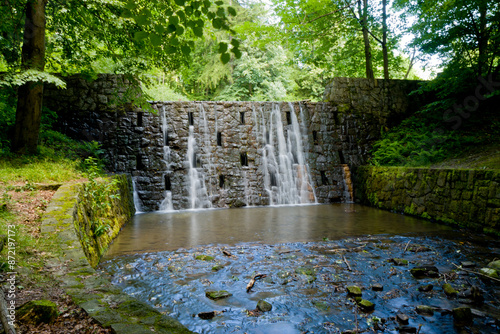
(310, 255)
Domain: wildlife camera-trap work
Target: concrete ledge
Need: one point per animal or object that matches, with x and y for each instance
(97, 296)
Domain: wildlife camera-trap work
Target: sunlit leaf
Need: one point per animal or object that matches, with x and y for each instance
(225, 57)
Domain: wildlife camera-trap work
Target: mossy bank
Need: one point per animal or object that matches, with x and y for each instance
(467, 198)
(83, 236)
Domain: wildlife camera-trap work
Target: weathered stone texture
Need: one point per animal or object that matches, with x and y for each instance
(335, 133)
(464, 197)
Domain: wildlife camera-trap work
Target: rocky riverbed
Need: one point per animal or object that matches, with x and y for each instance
(396, 284)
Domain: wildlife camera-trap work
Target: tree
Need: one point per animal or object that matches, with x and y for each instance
(133, 35)
(340, 32)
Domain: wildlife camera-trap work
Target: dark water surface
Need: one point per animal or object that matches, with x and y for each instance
(157, 231)
(307, 276)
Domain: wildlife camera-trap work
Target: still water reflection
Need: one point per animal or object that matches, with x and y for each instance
(153, 232)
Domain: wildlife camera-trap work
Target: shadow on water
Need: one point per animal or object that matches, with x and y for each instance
(306, 275)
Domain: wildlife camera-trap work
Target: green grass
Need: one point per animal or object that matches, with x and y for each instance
(38, 169)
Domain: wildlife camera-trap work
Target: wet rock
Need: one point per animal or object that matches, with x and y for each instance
(37, 312)
(217, 267)
(207, 315)
(449, 290)
(425, 288)
(354, 291)
(307, 270)
(425, 271)
(462, 316)
(215, 295)
(489, 272)
(399, 262)
(418, 248)
(366, 305)
(402, 318)
(204, 257)
(238, 204)
(474, 295)
(321, 305)
(377, 287)
(264, 306)
(407, 330)
(425, 310)
(468, 264)
(494, 265)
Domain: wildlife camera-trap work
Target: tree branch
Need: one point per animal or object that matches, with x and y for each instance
(327, 14)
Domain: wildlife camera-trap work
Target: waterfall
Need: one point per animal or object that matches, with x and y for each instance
(286, 176)
(198, 196)
(137, 200)
(166, 204)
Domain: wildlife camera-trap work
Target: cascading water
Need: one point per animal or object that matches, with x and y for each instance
(348, 192)
(166, 204)
(137, 200)
(198, 196)
(286, 178)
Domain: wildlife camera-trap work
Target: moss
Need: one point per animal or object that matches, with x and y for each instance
(37, 312)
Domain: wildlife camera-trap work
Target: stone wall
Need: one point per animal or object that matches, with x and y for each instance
(153, 146)
(461, 197)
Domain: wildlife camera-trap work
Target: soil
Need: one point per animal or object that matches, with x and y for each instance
(28, 204)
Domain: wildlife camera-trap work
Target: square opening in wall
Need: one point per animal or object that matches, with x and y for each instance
(139, 119)
(222, 180)
(242, 117)
(139, 164)
(219, 139)
(288, 117)
(324, 179)
(274, 180)
(315, 137)
(168, 183)
(341, 157)
(190, 118)
(244, 158)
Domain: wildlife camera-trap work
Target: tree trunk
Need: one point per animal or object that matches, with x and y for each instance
(483, 39)
(363, 14)
(384, 39)
(30, 94)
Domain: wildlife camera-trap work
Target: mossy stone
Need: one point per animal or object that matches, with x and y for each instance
(215, 295)
(462, 316)
(204, 257)
(489, 272)
(38, 311)
(449, 290)
(399, 262)
(217, 267)
(354, 290)
(366, 305)
(494, 265)
(310, 271)
(264, 306)
(425, 310)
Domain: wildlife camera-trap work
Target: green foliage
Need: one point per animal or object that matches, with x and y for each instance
(99, 193)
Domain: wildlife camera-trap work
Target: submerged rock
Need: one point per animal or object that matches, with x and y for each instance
(204, 257)
(215, 295)
(425, 271)
(425, 288)
(37, 311)
(399, 262)
(402, 318)
(462, 316)
(377, 287)
(264, 306)
(449, 290)
(425, 310)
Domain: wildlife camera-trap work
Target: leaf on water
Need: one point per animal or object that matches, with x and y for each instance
(225, 57)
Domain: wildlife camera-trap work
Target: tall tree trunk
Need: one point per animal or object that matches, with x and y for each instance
(30, 94)
(363, 14)
(483, 39)
(384, 39)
